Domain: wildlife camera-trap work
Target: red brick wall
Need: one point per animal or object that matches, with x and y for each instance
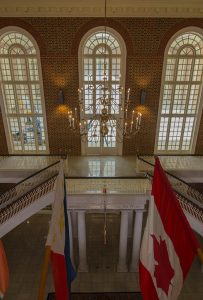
(58, 40)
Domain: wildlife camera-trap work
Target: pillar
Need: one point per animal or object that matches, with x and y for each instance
(122, 266)
(83, 267)
(136, 241)
(130, 223)
(71, 238)
(74, 223)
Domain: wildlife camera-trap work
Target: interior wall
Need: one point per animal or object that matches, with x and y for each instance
(58, 40)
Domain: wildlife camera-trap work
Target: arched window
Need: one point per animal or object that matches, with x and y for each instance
(22, 92)
(102, 49)
(181, 93)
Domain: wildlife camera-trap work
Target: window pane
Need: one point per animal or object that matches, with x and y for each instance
(101, 56)
(167, 98)
(22, 93)
(5, 69)
(175, 133)
(116, 71)
(88, 69)
(39, 125)
(28, 133)
(23, 97)
(15, 134)
(170, 69)
(181, 98)
(162, 139)
(198, 68)
(110, 139)
(187, 135)
(100, 68)
(36, 96)
(94, 133)
(115, 98)
(193, 99)
(33, 69)
(88, 95)
(9, 98)
(184, 69)
(19, 69)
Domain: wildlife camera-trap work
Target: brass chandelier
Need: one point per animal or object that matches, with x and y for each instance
(110, 118)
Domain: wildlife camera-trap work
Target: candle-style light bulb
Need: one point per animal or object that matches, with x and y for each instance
(128, 94)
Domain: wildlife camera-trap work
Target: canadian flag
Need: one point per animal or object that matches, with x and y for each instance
(168, 245)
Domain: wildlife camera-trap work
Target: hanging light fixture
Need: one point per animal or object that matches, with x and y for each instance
(111, 117)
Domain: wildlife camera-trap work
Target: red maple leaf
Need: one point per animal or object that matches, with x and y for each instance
(163, 270)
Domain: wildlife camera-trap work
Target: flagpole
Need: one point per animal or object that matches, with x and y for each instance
(43, 275)
(200, 254)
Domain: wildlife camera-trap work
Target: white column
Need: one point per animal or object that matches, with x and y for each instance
(83, 267)
(74, 223)
(130, 223)
(136, 240)
(122, 266)
(71, 238)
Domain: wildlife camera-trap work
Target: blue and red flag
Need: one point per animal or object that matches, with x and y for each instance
(58, 241)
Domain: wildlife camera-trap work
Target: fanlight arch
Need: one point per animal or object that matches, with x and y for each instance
(22, 97)
(181, 93)
(102, 51)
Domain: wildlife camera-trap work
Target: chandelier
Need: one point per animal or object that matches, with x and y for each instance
(109, 117)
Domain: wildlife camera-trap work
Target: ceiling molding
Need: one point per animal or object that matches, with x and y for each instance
(90, 8)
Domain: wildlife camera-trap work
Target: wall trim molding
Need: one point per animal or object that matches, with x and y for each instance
(174, 11)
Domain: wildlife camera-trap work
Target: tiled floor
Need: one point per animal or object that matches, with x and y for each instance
(10, 163)
(25, 245)
(102, 166)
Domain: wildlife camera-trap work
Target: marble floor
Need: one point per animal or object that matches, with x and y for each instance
(26, 162)
(25, 247)
(103, 166)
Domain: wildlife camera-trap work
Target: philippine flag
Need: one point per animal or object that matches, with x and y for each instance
(168, 245)
(4, 273)
(58, 241)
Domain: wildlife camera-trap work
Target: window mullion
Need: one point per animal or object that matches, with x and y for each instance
(185, 115)
(34, 117)
(18, 115)
(25, 127)
(170, 115)
(94, 84)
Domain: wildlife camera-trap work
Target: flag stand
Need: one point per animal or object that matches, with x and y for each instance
(43, 275)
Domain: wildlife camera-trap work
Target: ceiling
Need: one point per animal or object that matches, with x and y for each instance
(95, 8)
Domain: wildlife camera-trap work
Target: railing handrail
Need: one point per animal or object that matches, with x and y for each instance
(172, 154)
(37, 172)
(29, 197)
(31, 190)
(195, 195)
(32, 175)
(168, 173)
(106, 177)
(176, 191)
(196, 210)
(22, 187)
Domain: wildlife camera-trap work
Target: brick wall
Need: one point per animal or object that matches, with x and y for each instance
(58, 40)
